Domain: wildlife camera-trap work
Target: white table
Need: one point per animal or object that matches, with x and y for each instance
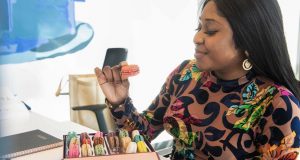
(16, 119)
(32, 121)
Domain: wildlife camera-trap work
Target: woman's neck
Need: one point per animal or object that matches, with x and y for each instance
(230, 75)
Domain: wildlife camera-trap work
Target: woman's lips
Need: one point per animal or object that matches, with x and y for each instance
(199, 54)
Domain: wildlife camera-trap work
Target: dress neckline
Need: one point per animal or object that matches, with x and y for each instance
(235, 82)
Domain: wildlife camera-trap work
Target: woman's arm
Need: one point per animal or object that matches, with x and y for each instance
(151, 120)
(279, 136)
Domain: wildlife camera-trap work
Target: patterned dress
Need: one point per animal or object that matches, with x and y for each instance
(248, 118)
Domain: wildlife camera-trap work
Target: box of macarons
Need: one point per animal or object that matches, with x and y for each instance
(108, 146)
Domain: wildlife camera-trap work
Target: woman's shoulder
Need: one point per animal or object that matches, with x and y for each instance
(188, 63)
(284, 96)
(279, 93)
(187, 70)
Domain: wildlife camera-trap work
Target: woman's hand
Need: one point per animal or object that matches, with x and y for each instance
(114, 88)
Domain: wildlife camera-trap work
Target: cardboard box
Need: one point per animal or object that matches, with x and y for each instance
(151, 155)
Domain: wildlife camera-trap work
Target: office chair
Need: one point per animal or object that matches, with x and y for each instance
(113, 57)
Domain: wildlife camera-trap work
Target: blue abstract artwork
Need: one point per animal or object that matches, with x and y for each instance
(39, 29)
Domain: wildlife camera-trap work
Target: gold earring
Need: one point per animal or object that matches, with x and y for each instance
(247, 65)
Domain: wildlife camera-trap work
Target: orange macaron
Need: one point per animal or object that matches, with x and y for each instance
(129, 70)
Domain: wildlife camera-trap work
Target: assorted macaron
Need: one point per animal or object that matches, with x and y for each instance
(113, 141)
(139, 140)
(73, 145)
(86, 145)
(120, 142)
(129, 70)
(131, 147)
(98, 143)
(128, 144)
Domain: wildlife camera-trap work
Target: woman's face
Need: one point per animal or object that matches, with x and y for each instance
(218, 52)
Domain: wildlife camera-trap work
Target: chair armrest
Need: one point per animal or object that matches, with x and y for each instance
(98, 110)
(96, 107)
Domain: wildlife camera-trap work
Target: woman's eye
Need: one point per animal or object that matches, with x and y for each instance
(210, 33)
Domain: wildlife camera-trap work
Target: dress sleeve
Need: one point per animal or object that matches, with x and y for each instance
(279, 136)
(149, 121)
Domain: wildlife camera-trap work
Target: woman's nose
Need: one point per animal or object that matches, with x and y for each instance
(198, 38)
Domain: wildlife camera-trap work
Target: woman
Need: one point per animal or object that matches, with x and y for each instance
(238, 99)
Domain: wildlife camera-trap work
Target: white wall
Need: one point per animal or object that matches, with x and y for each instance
(291, 14)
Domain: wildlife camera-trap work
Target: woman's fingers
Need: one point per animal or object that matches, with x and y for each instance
(107, 88)
(100, 76)
(125, 83)
(116, 74)
(114, 89)
(108, 74)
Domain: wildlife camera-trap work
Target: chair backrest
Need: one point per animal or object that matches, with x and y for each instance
(84, 90)
(114, 56)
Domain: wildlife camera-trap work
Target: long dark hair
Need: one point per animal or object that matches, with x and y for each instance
(258, 28)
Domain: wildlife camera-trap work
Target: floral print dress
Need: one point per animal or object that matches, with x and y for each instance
(248, 118)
